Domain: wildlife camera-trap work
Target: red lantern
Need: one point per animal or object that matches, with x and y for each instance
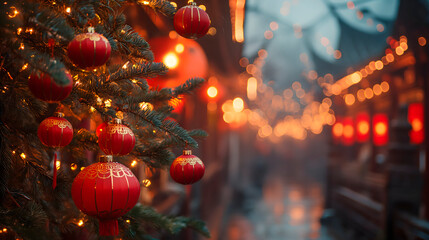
(55, 131)
(45, 88)
(380, 129)
(337, 130)
(362, 127)
(89, 50)
(117, 139)
(106, 190)
(185, 59)
(191, 21)
(348, 131)
(187, 168)
(415, 118)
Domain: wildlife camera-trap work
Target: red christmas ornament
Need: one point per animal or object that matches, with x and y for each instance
(191, 21)
(89, 50)
(55, 131)
(45, 88)
(187, 168)
(117, 139)
(106, 190)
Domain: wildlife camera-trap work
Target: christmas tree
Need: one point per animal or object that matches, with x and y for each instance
(43, 73)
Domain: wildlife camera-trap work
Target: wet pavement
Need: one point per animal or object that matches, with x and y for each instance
(284, 211)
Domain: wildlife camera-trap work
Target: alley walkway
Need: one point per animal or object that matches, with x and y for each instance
(285, 211)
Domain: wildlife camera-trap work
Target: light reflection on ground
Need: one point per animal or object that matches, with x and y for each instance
(285, 212)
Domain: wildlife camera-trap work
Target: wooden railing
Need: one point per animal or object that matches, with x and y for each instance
(359, 202)
(408, 227)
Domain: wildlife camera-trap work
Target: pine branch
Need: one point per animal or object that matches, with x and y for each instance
(53, 25)
(163, 6)
(141, 69)
(147, 216)
(44, 63)
(189, 86)
(6, 159)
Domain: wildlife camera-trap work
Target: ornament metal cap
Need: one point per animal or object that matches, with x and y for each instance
(187, 152)
(117, 121)
(105, 158)
(59, 114)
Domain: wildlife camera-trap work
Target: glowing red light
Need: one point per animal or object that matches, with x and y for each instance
(348, 131)
(362, 127)
(416, 119)
(380, 129)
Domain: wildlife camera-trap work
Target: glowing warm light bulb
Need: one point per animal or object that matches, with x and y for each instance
(238, 104)
(212, 91)
(58, 165)
(369, 93)
(80, 223)
(384, 86)
(108, 103)
(380, 128)
(379, 65)
(252, 88)
(145, 105)
(133, 163)
(179, 48)
(68, 10)
(171, 60)
(228, 117)
(146, 182)
(377, 89)
(13, 12)
(349, 99)
(73, 166)
(417, 125)
(337, 129)
(23, 156)
(363, 127)
(399, 50)
(24, 67)
(422, 41)
(348, 131)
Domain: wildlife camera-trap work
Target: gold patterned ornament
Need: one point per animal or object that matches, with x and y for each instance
(187, 168)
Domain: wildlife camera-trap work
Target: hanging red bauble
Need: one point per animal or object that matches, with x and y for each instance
(55, 131)
(187, 168)
(89, 50)
(191, 21)
(106, 190)
(117, 139)
(45, 88)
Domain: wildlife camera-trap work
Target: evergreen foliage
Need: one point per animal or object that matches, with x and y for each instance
(29, 208)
